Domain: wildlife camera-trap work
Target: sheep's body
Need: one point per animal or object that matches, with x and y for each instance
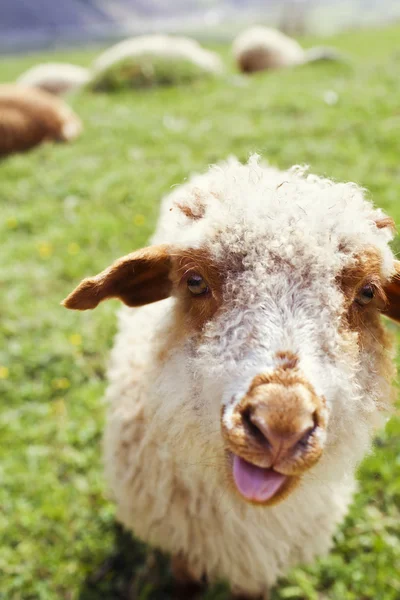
(153, 59)
(55, 78)
(171, 494)
(261, 48)
(164, 453)
(29, 117)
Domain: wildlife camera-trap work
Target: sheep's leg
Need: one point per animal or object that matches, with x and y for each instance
(242, 597)
(181, 571)
(187, 585)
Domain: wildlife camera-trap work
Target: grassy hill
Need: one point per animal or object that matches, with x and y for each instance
(66, 212)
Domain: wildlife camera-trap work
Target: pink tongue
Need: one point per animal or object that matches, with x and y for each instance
(256, 483)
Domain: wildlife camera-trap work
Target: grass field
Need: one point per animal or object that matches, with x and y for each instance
(66, 212)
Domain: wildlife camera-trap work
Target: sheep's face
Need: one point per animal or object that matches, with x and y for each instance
(276, 323)
(288, 352)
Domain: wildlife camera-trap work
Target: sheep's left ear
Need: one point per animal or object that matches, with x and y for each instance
(139, 278)
(392, 291)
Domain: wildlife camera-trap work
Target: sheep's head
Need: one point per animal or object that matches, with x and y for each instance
(279, 281)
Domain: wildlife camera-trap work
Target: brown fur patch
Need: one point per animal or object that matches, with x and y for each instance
(195, 311)
(365, 269)
(281, 376)
(287, 359)
(29, 117)
(392, 291)
(257, 59)
(192, 212)
(384, 222)
(139, 278)
(362, 325)
(194, 208)
(152, 274)
(190, 313)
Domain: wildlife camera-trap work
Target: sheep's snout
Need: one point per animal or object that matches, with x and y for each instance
(274, 434)
(282, 439)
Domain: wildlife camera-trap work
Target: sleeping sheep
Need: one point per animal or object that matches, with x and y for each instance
(55, 78)
(250, 369)
(260, 48)
(153, 60)
(29, 117)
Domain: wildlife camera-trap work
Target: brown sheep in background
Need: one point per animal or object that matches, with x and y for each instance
(29, 117)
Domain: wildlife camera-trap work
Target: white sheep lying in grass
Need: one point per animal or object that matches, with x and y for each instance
(29, 117)
(152, 60)
(260, 48)
(55, 78)
(245, 389)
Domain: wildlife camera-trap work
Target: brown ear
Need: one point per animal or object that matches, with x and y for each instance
(392, 291)
(138, 278)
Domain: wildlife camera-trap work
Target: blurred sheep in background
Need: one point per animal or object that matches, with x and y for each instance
(29, 117)
(153, 60)
(55, 78)
(261, 48)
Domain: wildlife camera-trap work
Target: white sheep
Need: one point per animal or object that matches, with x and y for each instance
(30, 116)
(244, 390)
(260, 48)
(153, 59)
(55, 78)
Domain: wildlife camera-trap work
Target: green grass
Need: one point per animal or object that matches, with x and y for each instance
(66, 212)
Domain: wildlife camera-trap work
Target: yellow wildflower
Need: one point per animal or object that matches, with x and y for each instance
(4, 372)
(12, 223)
(139, 220)
(45, 249)
(62, 383)
(75, 339)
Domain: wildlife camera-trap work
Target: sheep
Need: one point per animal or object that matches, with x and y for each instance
(151, 60)
(30, 116)
(55, 78)
(249, 370)
(261, 48)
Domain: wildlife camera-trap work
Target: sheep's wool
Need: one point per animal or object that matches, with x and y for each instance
(282, 238)
(55, 78)
(156, 58)
(259, 48)
(30, 116)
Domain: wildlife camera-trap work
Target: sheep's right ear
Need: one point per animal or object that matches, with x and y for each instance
(392, 291)
(139, 278)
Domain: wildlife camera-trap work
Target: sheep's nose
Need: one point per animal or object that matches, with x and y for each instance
(281, 438)
(281, 424)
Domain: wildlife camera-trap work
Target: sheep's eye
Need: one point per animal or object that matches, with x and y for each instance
(365, 295)
(196, 285)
